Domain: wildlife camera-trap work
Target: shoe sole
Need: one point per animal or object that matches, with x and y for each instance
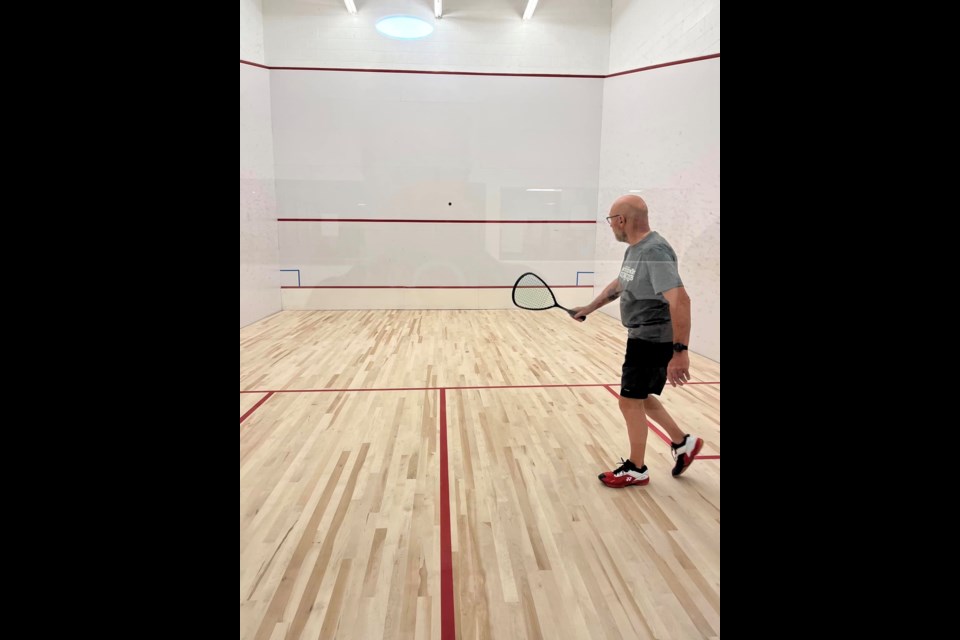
(638, 483)
(690, 457)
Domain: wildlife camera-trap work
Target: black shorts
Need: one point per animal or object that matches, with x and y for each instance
(645, 368)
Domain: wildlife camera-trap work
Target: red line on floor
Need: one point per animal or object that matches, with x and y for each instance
(502, 386)
(436, 221)
(256, 406)
(656, 429)
(448, 628)
(439, 286)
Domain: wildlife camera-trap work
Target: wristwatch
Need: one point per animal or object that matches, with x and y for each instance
(679, 346)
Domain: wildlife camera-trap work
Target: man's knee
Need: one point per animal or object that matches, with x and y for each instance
(631, 404)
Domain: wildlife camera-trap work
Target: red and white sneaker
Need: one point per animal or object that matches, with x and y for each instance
(626, 475)
(685, 453)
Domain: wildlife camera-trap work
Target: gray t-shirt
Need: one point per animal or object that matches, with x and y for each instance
(649, 268)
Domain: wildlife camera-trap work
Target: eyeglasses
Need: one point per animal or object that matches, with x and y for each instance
(611, 217)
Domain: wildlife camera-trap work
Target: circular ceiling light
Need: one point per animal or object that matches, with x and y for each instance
(406, 27)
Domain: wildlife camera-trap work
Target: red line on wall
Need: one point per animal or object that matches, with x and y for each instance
(665, 64)
(445, 73)
(481, 73)
(254, 64)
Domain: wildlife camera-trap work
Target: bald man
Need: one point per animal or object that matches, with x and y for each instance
(655, 308)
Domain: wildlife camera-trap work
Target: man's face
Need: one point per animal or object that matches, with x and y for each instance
(616, 224)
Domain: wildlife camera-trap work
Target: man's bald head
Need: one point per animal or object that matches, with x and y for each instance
(633, 208)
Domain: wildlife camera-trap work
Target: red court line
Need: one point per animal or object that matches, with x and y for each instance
(665, 64)
(505, 286)
(442, 73)
(254, 64)
(501, 386)
(448, 630)
(429, 220)
(256, 406)
(487, 73)
(657, 431)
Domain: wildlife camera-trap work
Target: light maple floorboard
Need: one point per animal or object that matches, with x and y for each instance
(340, 519)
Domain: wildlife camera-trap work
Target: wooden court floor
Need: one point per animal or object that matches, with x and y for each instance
(433, 474)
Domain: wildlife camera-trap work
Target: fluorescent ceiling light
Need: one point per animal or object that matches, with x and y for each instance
(405, 27)
(438, 8)
(544, 189)
(351, 7)
(531, 7)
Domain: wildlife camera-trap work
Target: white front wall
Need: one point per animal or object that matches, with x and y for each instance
(402, 146)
